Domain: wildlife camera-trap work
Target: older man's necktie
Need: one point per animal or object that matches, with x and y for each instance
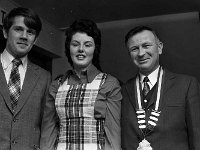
(14, 83)
(145, 91)
(146, 87)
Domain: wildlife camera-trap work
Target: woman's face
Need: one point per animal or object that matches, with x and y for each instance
(82, 49)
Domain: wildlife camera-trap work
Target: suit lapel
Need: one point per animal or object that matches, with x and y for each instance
(166, 84)
(30, 81)
(131, 92)
(4, 89)
(168, 80)
(131, 89)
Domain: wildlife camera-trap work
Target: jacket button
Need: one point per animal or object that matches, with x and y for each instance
(15, 119)
(14, 142)
(36, 147)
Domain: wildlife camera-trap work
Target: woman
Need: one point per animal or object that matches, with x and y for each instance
(87, 101)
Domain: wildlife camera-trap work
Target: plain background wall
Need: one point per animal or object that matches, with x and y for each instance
(180, 34)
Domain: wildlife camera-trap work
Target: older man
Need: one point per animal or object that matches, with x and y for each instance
(160, 109)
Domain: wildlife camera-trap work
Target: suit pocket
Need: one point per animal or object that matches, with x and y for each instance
(174, 115)
(174, 102)
(174, 105)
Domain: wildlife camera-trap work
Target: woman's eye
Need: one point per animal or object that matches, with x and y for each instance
(74, 44)
(88, 45)
(18, 29)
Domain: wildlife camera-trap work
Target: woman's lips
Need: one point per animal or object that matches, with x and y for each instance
(80, 56)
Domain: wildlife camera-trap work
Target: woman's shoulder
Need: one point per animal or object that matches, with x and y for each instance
(58, 80)
(112, 79)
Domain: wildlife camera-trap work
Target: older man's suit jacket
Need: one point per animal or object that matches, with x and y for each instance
(20, 130)
(178, 127)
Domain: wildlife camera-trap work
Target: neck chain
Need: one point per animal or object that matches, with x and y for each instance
(147, 127)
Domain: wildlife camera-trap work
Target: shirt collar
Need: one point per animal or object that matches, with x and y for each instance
(152, 77)
(7, 59)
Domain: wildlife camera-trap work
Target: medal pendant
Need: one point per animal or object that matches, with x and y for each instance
(144, 145)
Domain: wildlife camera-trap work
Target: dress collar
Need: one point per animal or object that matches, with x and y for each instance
(89, 74)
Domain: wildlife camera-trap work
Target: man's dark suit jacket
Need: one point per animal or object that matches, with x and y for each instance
(21, 130)
(178, 127)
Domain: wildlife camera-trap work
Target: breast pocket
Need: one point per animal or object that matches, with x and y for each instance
(174, 115)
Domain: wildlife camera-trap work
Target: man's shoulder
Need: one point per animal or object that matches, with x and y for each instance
(129, 83)
(180, 79)
(180, 76)
(37, 67)
(44, 74)
(130, 80)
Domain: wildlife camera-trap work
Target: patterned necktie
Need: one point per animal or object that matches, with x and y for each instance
(14, 83)
(146, 87)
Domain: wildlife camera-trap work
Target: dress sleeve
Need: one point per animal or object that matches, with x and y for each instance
(108, 106)
(49, 128)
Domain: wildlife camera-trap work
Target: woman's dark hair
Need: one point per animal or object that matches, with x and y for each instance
(91, 29)
(31, 19)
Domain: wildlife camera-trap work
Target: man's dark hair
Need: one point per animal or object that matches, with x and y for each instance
(31, 19)
(91, 29)
(138, 29)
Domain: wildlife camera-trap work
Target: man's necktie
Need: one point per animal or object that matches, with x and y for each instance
(146, 87)
(14, 83)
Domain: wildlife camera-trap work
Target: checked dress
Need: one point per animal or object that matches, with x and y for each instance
(79, 130)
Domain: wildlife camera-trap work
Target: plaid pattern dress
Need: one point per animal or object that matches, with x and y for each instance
(79, 130)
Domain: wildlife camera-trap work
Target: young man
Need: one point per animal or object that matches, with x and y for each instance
(23, 84)
(160, 109)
